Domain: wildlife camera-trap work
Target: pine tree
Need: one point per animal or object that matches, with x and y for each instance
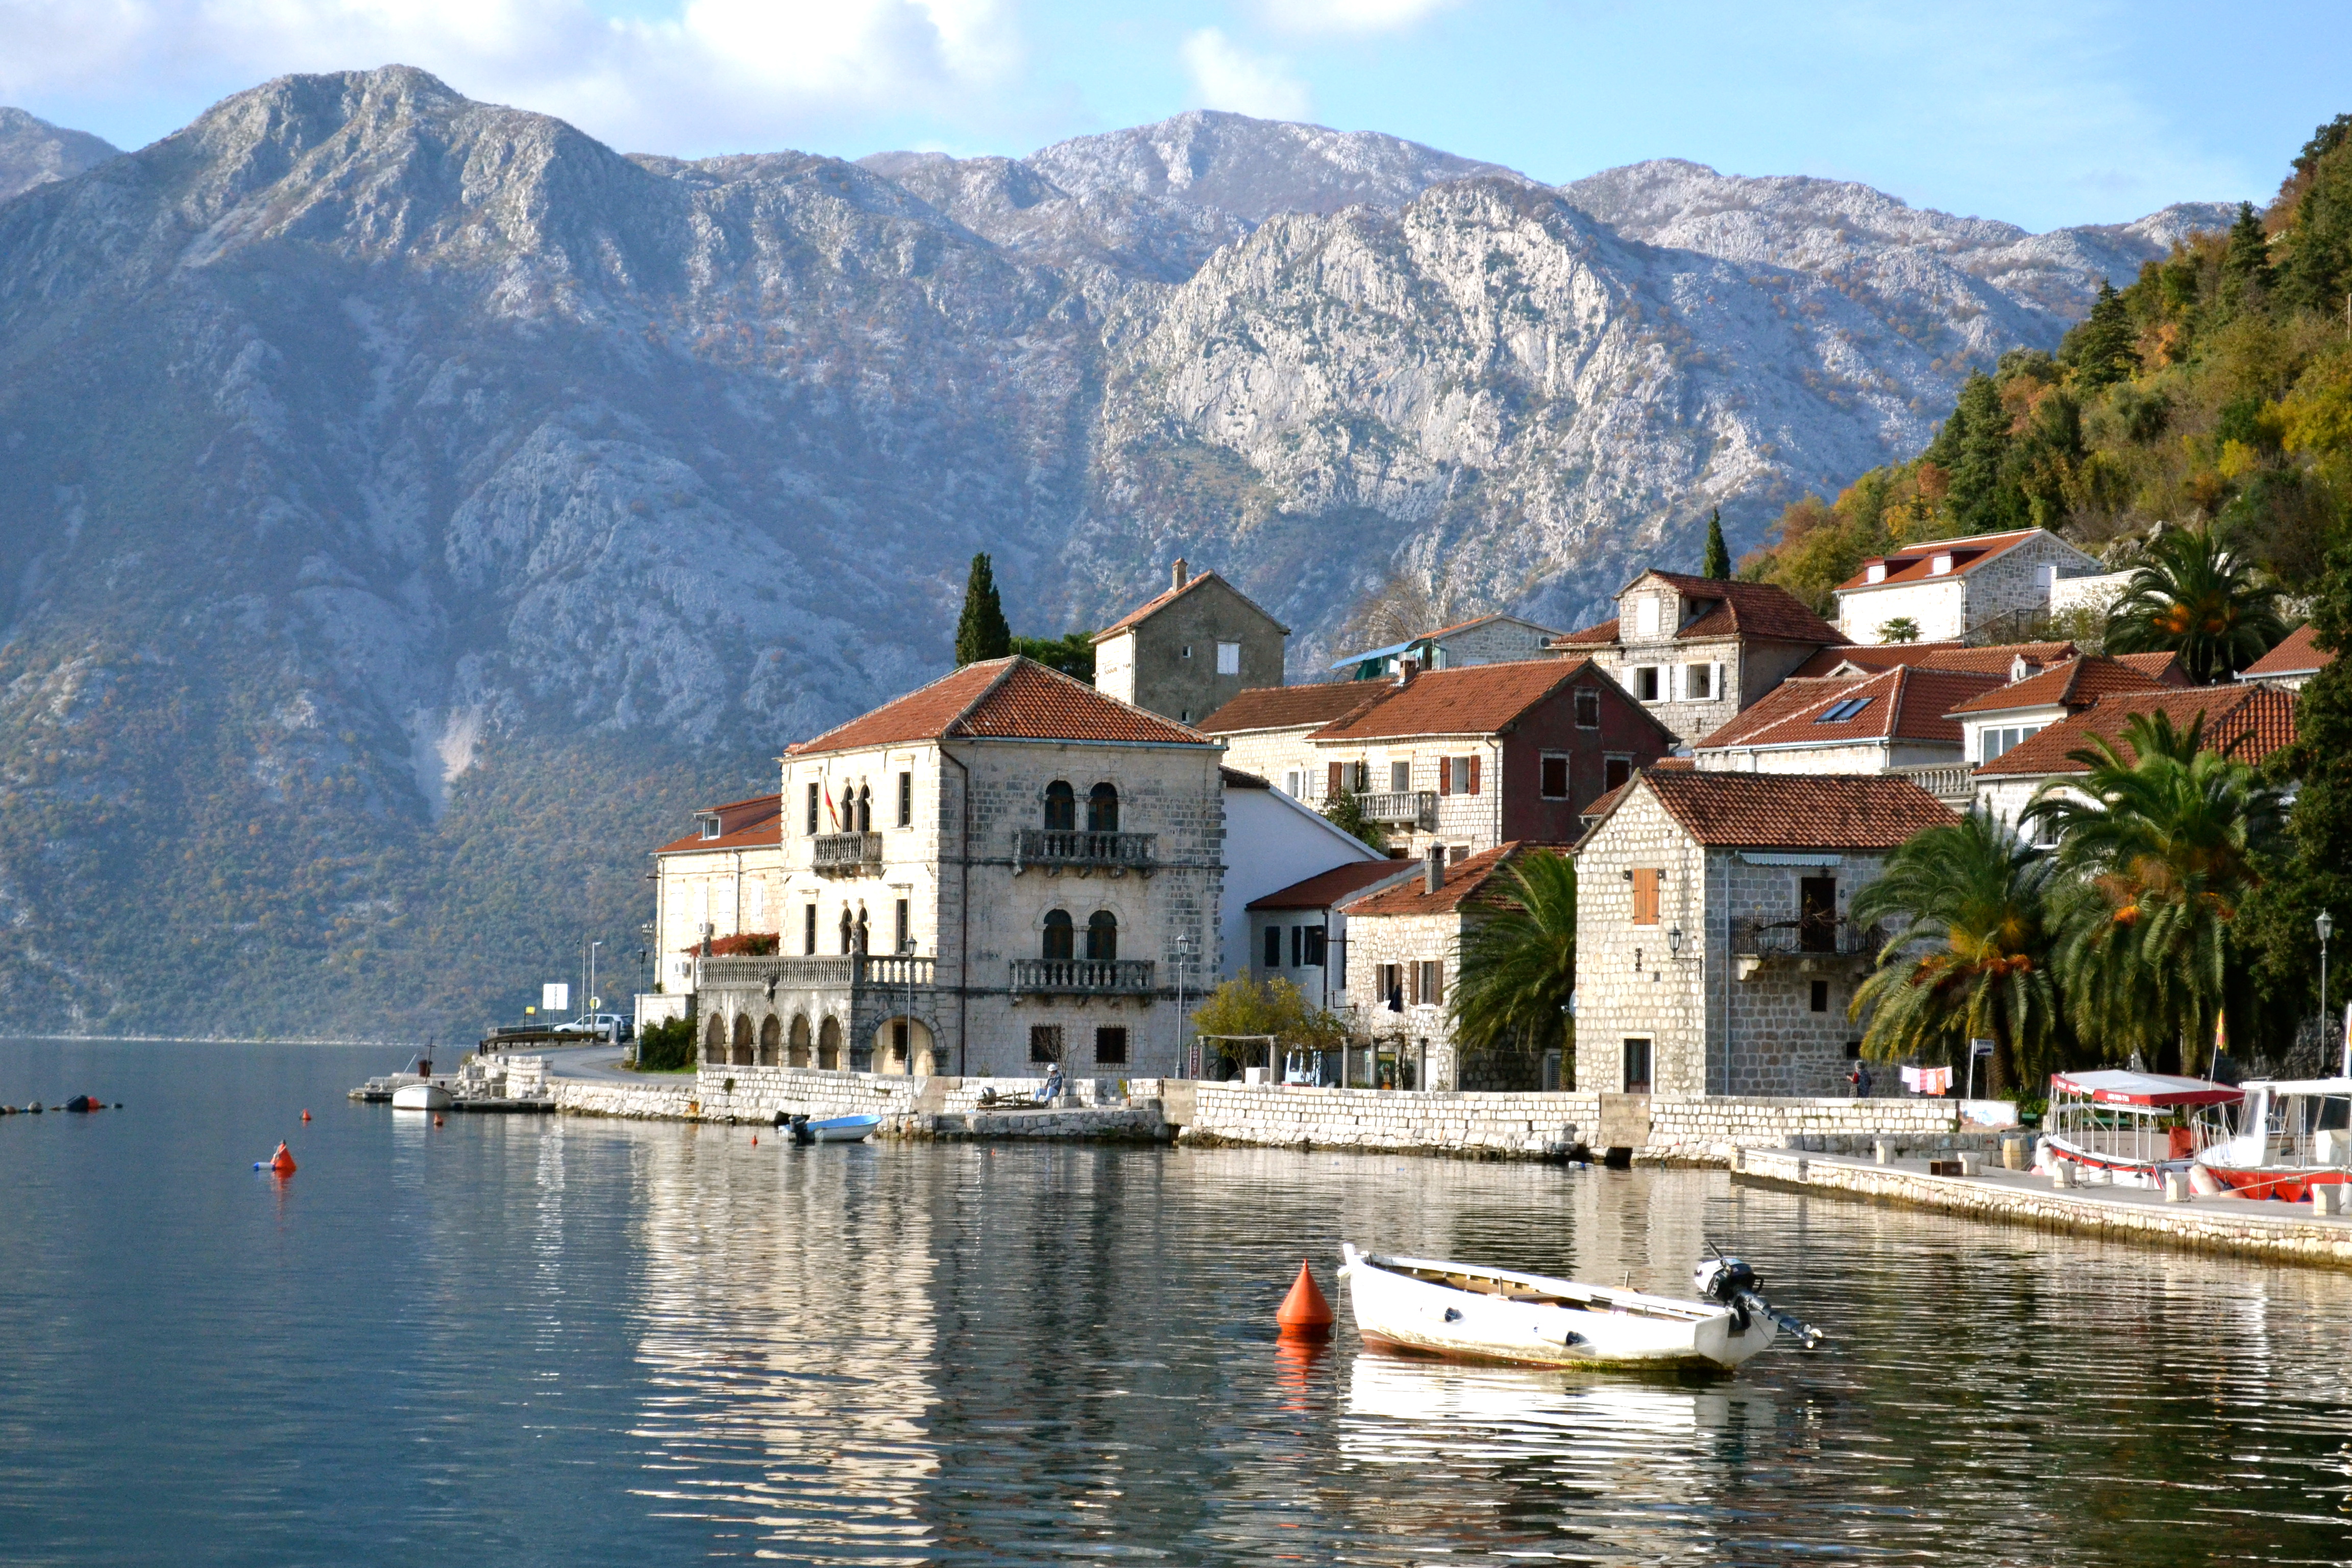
(1971, 448)
(1718, 556)
(982, 632)
(2100, 347)
(2246, 276)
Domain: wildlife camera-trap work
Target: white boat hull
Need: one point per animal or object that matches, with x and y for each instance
(1535, 1321)
(421, 1097)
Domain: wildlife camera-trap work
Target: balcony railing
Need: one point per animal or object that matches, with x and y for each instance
(883, 970)
(1083, 976)
(1082, 848)
(1954, 783)
(1411, 807)
(1802, 938)
(838, 853)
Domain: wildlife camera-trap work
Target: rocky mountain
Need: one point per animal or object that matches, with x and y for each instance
(32, 151)
(413, 506)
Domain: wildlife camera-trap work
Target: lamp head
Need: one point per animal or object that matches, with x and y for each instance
(1675, 940)
(2325, 922)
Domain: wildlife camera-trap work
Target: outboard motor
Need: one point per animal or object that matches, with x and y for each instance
(1732, 1282)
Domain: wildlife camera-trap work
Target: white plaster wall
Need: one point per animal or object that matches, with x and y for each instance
(1270, 842)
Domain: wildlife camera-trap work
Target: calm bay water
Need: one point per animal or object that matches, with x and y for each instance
(541, 1340)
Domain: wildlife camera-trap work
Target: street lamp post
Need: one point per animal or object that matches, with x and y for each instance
(2327, 924)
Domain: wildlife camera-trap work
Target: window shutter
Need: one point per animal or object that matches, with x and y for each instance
(1474, 774)
(1715, 688)
(1413, 976)
(1336, 788)
(1445, 776)
(1437, 981)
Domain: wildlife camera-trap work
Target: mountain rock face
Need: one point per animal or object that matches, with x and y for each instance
(32, 151)
(413, 506)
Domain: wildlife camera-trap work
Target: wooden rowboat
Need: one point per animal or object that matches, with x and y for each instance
(1470, 1312)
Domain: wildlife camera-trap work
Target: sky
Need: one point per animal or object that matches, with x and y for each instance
(2043, 114)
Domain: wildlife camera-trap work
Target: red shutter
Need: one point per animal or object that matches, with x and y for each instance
(1336, 788)
(1413, 976)
(1474, 773)
(1445, 776)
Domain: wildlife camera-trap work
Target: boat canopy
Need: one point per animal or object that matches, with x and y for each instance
(2340, 1087)
(2148, 1091)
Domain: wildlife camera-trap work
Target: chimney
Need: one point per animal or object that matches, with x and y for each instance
(1178, 576)
(1435, 878)
(1406, 669)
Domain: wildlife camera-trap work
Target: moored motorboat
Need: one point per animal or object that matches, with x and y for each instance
(2125, 1129)
(1472, 1312)
(425, 1095)
(2290, 1135)
(827, 1130)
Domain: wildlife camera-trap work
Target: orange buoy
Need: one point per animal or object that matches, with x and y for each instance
(283, 1161)
(306, 1116)
(1303, 1314)
(755, 1140)
(438, 1122)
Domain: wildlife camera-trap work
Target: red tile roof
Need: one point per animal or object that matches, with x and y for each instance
(1474, 879)
(1793, 811)
(1994, 659)
(2077, 683)
(1764, 610)
(752, 824)
(1154, 607)
(1481, 699)
(2162, 668)
(1910, 563)
(1326, 888)
(2299, 655)
(1604, 631)
(2257, 720)
(1002, 699)
(1900, 704)
(1294, 707)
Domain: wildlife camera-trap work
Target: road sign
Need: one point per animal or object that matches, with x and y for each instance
(594, 1003)
(556, 997)
(1980, 1048)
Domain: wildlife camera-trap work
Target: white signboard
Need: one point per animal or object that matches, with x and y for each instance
(555, 998)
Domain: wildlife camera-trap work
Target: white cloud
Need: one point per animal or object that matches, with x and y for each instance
(707, 73)
(1351, 15)
(1227, 77)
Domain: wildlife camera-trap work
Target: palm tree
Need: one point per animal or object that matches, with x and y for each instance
(2196, 597)
(2162, 852)
(1518, 965)
(1977, 895)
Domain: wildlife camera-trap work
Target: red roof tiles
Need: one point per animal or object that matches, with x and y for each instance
(1604, 631)
(1326, 888)
(1002, 699)
(2299, 655)
(1293, 707)
(2077, 683)
(1480, 699)
(1900, 704)
(1474, 878)
(2257, 720)
(1910, 563)
(754, 824)
(1793, 811)
(1763, 610)
(1994, 659)
(1154, 607)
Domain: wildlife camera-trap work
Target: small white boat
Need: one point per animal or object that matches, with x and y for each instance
(424, 1096)
(1473, 1313)
(2289, 1137)
(829, 1129)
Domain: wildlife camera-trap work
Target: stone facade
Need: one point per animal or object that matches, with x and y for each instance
(1689, 678)
(1420, 1038)
(1192, 650)
(1949, 607)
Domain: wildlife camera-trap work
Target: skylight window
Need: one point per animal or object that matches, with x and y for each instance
(1843, 708)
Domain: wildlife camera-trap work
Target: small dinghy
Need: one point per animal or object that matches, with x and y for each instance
(831, 1130)
(1473, 1313)
(425, 1096)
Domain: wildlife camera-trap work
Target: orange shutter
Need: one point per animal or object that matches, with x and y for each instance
(1474, 773)
(1445, 776)
(1645, 897)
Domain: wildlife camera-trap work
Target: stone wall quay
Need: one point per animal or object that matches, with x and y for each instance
(1473, 1125)
(1705, 1131)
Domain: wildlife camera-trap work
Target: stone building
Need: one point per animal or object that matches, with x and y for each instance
(1714, 951)
(1190, 651)
(2250, 722)
(1952, 588)
(1403, 956)
(726, 877)
(1002, 868)
(1993, 722)
(1489, 639)
(1695, 651)
(1463, 758)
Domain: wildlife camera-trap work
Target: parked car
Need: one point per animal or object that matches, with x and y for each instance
(613, 1026)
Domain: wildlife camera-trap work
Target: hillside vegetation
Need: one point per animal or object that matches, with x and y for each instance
(2214, 390)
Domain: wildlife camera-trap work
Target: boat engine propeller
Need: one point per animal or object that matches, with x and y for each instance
(1732, 1282)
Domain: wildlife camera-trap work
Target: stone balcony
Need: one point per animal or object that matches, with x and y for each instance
(1804, 947)
(847, 854)
(1403, 808)
(848, 970)
(1954, 783)
(1084, 851)
(1082, 976)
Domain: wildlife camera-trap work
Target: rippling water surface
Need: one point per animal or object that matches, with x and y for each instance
(539, 1340)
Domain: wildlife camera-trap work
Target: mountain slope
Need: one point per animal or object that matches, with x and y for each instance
(415, 505)
(32, 151)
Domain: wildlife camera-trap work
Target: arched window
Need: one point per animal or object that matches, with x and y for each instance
(865, 809)
(1102, 935)
(848, 930)
(1102, 809)
(1058, 935)
(1061, 806)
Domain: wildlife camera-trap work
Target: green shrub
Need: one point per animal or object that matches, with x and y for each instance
(666, 1048)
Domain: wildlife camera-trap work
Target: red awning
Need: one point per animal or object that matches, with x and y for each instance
(2154, 1090)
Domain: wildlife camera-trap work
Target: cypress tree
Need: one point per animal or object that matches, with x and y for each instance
(982, 632)
(1718, 556)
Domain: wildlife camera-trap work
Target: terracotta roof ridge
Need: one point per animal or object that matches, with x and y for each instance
(1010, 663)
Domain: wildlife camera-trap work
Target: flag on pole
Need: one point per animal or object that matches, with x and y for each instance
(2220, 1038)
(831, 814)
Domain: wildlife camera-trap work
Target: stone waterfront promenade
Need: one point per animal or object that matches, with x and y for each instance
(1691, 1131)
(2273, 1232)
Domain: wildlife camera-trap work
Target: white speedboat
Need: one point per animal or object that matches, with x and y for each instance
(2289, 1137)
(425, 1095)
(1474, 1313)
